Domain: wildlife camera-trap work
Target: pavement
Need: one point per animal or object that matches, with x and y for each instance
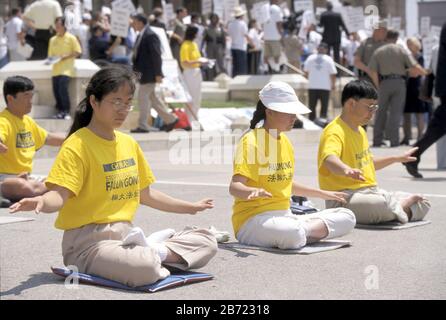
(404, 264)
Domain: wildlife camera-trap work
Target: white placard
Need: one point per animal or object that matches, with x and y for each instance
(435, 31)
(169, 13)
(307, 20)
(219, 9)
(255, 11)
(303, 5)
(428, 44)
(395, 23)
(353, 18)
(261, 10)
(88, 5)
(229, 6)
(124, 4)
(425, 25)
(166, 52)
(206, 7)
(120, 22)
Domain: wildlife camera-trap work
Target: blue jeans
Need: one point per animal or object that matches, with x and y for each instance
(60, 90)
(239, 62)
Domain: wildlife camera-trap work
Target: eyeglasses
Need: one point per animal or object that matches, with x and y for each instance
(118, 105)
(371, 108)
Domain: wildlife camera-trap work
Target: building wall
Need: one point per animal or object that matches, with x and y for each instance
(434, 9)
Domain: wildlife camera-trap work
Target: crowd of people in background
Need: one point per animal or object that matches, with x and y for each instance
(314, 47)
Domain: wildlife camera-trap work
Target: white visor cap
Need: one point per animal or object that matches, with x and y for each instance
(280, 96)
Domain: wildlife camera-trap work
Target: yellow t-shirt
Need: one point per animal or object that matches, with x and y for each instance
(105, 177)
(58, 46)
(23, 137)
(353, 149)
(268, 163)
(189, 52)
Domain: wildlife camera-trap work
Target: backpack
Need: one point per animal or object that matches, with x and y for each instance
(183, 120)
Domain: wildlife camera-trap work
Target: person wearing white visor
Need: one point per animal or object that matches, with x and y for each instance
(263, 181)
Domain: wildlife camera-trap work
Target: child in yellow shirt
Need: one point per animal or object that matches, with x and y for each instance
(20, 138)
(263, 181)
(97, 182)
(346, 164)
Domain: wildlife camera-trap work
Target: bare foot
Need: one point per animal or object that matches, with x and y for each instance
(408, 202)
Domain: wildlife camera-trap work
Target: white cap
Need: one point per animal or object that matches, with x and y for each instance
(281, 97)
(86, 16)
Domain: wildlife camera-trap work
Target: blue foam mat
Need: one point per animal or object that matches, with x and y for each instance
(180, 278)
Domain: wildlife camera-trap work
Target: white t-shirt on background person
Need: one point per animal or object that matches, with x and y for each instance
(270, 30)
(12, 28)
(238, 30)
(256, 38)
(319, 67)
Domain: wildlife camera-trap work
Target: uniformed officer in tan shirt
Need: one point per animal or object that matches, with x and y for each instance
(365, 51)
(389, 67)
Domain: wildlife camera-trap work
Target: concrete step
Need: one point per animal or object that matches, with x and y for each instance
(211, 91)
(219, 95)
(210, 84)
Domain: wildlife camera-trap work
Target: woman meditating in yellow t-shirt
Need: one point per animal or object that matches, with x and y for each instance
(98, 180)
(262, 182)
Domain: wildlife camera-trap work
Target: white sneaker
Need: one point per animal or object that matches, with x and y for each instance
(221, 236)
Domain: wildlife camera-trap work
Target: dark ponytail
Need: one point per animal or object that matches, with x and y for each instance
(82, 117)
(259, 115)
(102, 83)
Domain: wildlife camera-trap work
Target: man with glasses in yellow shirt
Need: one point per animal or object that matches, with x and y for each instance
(345, 163)
(20, 138)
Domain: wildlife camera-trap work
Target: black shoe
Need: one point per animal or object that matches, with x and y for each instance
(5, 203)
(139, 130)
(169, 127)
(405, 142)
(412, 168)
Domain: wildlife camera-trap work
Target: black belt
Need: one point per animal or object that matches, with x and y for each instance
(392, 76)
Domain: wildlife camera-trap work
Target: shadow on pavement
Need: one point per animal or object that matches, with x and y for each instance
(238, 253)
(48, 278)
(35, 280)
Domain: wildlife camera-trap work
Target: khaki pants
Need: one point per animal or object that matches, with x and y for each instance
(375, 205)
(391, 101)
(272, 49)
(148, 98)
(97, 249)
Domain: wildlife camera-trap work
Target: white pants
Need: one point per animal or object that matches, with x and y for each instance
(193, 79)
(284, 230)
